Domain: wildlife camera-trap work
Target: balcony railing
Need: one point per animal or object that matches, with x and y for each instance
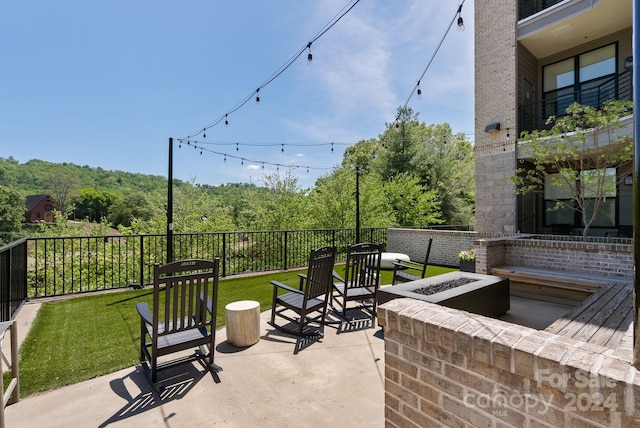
(531, 7)
(13, 278)
(534, 116)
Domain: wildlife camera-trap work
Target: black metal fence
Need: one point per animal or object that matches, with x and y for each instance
(13, 278)
(76, 264)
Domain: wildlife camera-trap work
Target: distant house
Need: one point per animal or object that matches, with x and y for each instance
(39, 208)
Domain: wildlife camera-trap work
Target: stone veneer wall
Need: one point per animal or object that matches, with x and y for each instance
(450, 368)
(495, 101)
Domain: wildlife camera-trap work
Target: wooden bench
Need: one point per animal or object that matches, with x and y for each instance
(602, 319)
(555, 286)
(603, 313)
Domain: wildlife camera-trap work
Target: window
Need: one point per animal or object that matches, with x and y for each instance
(588, 78)
(560, 208)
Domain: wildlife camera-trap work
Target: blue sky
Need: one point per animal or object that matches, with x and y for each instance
(106, 84)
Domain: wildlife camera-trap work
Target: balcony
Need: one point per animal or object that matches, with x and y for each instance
(534, 116)
(531, 7)
(547, 27)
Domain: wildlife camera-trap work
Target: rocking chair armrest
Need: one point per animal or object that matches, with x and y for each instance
(143, 311)
(303, 278)
(407, 265)
(337, 276)
(278, 284)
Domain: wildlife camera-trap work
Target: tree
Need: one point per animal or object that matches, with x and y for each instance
(61, 184)
(412, 204)
(574, 163)
(12, 210)
(92, 204)
(123, 210)
(401, 141)
(282, 207)
(446, 165)
(333, 202)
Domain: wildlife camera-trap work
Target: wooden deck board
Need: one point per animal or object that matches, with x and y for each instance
(602, 319)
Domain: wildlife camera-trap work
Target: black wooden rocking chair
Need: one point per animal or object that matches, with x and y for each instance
(362, 278)
(311, 297)
(400, 273)
(183, 316)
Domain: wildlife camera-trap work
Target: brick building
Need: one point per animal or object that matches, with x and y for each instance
(39, 208)
(534, 58)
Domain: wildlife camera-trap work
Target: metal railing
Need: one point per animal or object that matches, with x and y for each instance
(531, 7)
(13, 278)
(66, 265)
(534, 116)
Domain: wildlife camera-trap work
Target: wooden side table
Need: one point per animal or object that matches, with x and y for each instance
(243, 323)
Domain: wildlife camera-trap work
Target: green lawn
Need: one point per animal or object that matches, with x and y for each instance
(84, 337)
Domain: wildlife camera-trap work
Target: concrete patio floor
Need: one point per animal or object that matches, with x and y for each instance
(337, 381)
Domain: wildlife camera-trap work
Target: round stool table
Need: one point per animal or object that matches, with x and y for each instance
(243, 323)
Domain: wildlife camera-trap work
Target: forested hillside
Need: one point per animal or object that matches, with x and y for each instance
(38, 176)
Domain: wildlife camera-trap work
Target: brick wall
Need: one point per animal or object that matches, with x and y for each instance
(450, 368)
(444, 250)
(495, 101)
(613, 258)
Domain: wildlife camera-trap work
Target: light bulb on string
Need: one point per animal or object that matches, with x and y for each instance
(204, 132)
(200, 151)
(180, 144)
(419, 91)
(237, 147)
(331, 146)
(282, 149)
(225, 158)
(258, 97)
(309, 56)
(460, 24)
(262, 165)
(242, 161)
(226, 121)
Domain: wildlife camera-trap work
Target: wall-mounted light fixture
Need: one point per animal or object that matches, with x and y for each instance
(628, 62)
(492, 127)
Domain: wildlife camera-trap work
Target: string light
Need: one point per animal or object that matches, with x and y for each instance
(419, 91)
(346, 9)
(309, 56)
(282, 150)
(226, 121)
(417, 87)
(204, 133)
